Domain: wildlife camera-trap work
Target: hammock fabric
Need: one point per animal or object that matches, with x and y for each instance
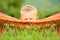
(12, 19)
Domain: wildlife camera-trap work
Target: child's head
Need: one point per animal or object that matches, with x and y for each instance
(28, 12)
(28, 9)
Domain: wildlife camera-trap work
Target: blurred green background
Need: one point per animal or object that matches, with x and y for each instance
(45, 7)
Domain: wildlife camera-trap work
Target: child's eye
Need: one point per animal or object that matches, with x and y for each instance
(31, 18)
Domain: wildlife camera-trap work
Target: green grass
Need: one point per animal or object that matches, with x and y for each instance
(29, 35)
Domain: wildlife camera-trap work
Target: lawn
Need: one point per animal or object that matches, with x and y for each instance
(25, 34)
(29, 35)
